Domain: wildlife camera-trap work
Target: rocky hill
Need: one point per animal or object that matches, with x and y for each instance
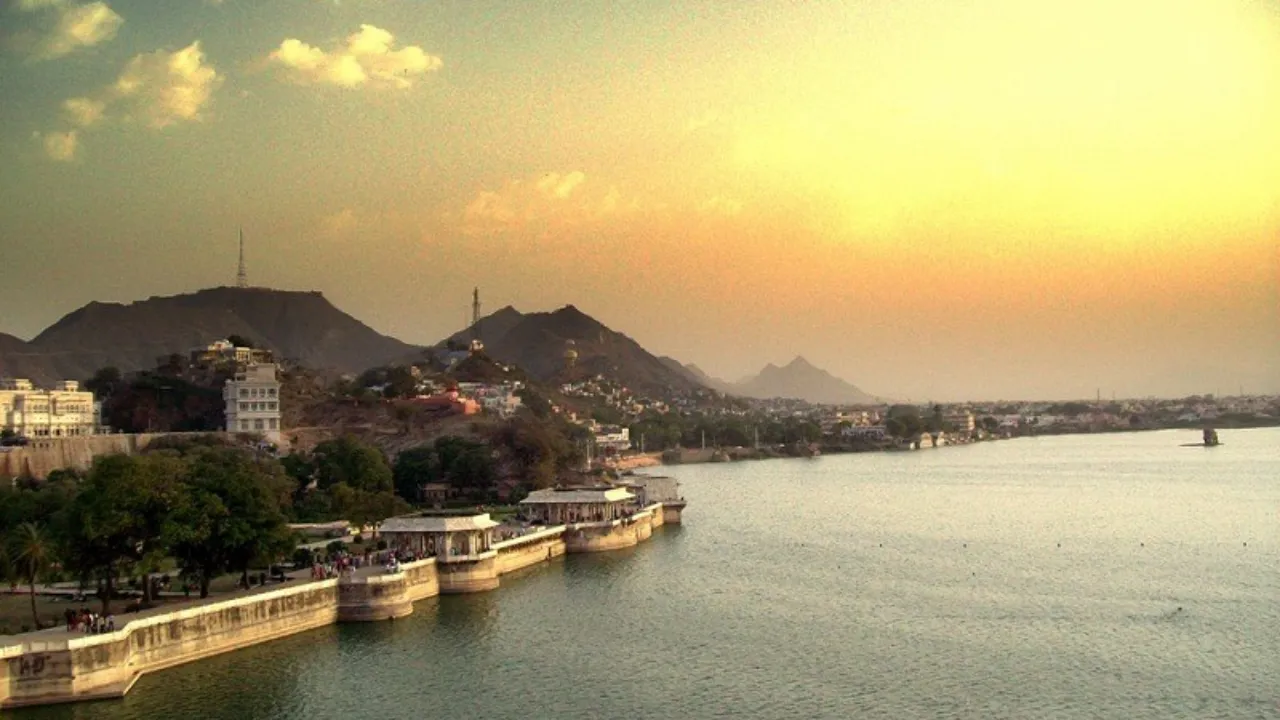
(538, 342)
(301, 326)
(797, 379)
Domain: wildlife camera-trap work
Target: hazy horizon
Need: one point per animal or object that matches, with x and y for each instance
(930, 200)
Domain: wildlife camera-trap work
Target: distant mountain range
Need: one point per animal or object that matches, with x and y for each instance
(307, 328)
(797, 379)
(540, 342)
(301, 326)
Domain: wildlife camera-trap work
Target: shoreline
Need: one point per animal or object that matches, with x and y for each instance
(702, 456)
(53, 667)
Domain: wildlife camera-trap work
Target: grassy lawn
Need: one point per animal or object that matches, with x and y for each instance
(15, 609)
(15, 612)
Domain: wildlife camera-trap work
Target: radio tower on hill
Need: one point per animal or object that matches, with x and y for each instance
(242, 275)
(476, 345)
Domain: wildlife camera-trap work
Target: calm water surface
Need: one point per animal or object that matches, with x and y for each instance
(1104, 576)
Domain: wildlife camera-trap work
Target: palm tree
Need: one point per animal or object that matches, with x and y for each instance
(31, 554)
(6, 567)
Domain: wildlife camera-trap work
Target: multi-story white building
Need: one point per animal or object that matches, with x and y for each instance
(613, 438)
(64, 411)
(253, 402)
(963, 421)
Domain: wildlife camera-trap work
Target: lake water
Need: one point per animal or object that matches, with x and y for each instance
(1101, 576)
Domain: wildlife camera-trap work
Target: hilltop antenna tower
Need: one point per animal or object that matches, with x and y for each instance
(476, 345)
(242, 275)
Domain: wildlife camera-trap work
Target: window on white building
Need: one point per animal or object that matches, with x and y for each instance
(272, 424)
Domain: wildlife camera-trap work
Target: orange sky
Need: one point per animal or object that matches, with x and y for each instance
(931, 199)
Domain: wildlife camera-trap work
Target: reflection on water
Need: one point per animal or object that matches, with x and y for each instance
(1028, 578)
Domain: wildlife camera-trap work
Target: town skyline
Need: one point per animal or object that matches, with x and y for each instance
(927, 200)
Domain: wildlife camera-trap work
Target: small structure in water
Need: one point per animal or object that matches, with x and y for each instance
(1210, 437)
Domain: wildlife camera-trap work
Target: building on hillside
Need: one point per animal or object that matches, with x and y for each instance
(610, 438)
(448, 402)
(253, 402)
(502, 404)
(570, 505)
(63, 411)
(222, 351)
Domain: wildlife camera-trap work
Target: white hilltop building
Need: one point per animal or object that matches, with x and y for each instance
(253, 402)
(63, 411)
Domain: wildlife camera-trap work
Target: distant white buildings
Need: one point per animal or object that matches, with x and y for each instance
(613, 438)
(501, 400)
(963, 421)
(221, 351)
(253, 402)
(28, 411)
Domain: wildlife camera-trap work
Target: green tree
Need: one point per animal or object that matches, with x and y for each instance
(607, 415)
(361, 508)
(300, 468)
(32, 556)
(104, 382)
(119, 515)
(400, 383)
(230, 516)
(7, 573)
(540, 450)
(413, 469)
(347, 460)
(536, 403)
(473, 470)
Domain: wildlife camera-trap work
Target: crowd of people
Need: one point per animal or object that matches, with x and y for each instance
(343, 563)
(88, 622)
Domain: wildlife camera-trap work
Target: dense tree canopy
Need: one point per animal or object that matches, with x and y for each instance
(465, 465)
(116, 520)
(347, 460)
(230, 515)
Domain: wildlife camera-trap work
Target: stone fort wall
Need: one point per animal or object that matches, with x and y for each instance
(44, 455)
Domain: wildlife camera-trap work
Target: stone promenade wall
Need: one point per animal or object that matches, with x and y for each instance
(49, 667)
(84, 667)
(44, 455)
(531, 549)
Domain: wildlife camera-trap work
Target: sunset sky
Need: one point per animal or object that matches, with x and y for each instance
(933, 199)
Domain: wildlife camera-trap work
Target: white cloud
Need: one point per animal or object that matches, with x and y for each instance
(61, 146)
(367, 58)
(84, 111)
(555, 185)
(77, 26)
(161, 88)
(550, 201)
(167, 87)
(340, 224)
